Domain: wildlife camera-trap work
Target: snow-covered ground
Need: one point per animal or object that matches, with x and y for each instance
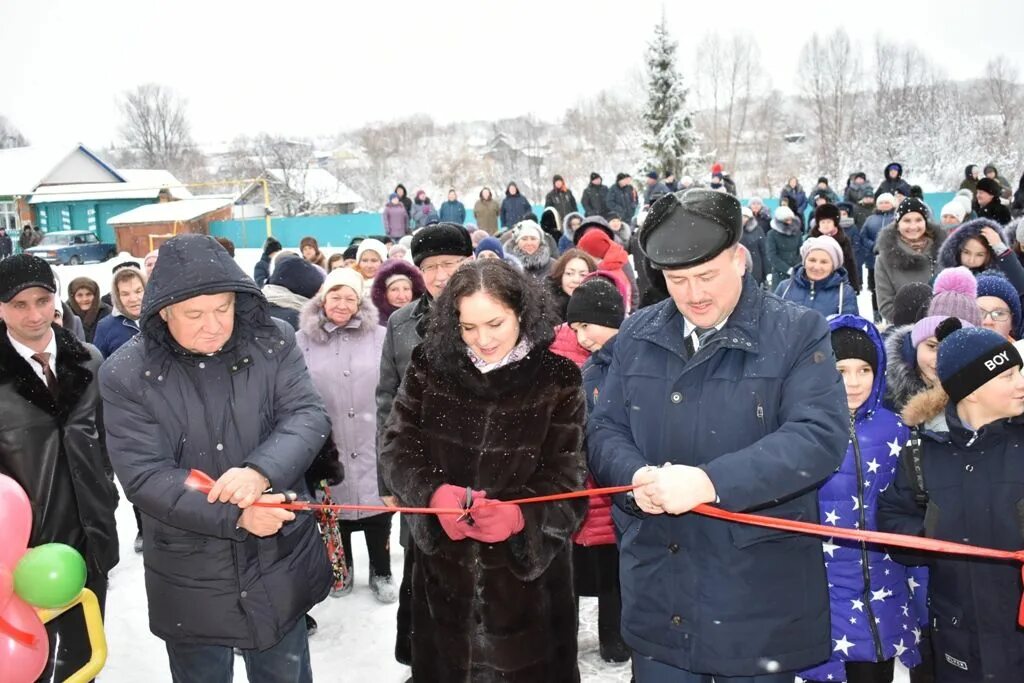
(355, 641)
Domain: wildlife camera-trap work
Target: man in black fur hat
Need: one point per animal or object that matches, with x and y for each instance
(699, 406)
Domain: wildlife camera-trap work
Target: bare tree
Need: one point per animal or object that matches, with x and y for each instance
(289, 159)
(769, 128)
(600, 133)
(728, 79)
(829, 72)
(10, 136)
(155, 128)
(910, 96)
(394, 152)
(1003, 89)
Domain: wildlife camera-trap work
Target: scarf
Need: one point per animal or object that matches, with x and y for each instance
(517, 353)
(920, 245)
(283, 297)
(535, 261)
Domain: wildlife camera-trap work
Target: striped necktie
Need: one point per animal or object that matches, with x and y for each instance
(701, 335)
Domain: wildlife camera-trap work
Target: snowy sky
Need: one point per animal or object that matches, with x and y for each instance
(309, 68)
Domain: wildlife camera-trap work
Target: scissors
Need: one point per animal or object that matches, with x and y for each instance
(466, 516)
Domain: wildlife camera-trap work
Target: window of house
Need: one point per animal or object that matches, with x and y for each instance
(8, 216)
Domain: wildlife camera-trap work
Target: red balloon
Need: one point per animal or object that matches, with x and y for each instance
(19, 662)
(15, 521)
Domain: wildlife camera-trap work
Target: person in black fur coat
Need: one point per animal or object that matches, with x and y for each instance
(487, 407)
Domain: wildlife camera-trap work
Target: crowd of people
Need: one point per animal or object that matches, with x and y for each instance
(668, 338)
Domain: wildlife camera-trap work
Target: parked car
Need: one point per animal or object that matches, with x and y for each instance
(72, 247)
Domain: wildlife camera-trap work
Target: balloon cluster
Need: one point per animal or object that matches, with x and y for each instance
(48, 576)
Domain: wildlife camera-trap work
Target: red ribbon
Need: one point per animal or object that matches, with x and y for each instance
(202, 482)
(931, 545)
(16, 634)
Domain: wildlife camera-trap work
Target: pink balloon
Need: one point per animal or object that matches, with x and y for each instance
(15, 521)
(22, 663)
(6, 586)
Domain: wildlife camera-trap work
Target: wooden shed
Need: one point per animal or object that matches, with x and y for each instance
(145, 228)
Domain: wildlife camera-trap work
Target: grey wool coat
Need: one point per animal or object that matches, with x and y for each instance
(344, 363)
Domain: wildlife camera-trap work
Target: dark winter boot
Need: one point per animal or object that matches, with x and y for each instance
(403, 642)
(613, 649)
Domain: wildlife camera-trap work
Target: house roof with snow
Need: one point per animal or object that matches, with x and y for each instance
(170, 212)
(138, 184)
(25, 169)
(316, 185)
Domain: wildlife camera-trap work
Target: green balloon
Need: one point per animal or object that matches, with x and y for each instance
(50, 576)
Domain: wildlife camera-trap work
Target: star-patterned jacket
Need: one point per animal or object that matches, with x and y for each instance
(872, 616)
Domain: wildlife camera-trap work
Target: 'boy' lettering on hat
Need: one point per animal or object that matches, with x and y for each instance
(1001, 358)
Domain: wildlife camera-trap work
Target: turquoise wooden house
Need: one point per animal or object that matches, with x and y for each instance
(74, 189)
(90, 206)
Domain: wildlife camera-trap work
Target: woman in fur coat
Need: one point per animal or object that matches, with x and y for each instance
(486, 413)
(341, 341)
(532, 250)
(908, 251)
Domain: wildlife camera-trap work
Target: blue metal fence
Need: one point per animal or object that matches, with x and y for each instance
(338, 231)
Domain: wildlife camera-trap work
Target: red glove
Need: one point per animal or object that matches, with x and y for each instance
(493, 523)
(450, 496)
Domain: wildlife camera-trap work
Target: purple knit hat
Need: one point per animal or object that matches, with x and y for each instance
(925, 327)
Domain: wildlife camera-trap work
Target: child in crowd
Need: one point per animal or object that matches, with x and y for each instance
(869, 594)
(595, 311)
(968, 488)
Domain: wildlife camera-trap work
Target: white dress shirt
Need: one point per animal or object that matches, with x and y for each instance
(690, 329)
(27, 353)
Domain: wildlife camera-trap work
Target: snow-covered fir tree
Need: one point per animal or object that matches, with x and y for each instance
(670, 141)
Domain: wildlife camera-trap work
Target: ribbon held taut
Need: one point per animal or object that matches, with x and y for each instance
(203, 483)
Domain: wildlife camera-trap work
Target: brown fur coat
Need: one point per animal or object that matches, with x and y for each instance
(504, 611)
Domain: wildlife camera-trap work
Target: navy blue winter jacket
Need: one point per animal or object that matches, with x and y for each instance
(831, 296)
(869, 235)
(113, 332)
(975, 487)
(762, 409)
(513, 208)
